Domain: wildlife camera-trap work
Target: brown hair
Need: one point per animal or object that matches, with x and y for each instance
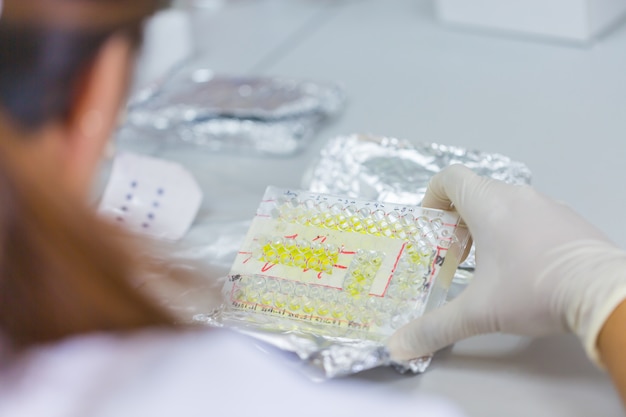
(63, 271)
(45, 45)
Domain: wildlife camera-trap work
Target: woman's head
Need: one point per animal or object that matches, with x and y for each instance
(46, 44)
(64, 68)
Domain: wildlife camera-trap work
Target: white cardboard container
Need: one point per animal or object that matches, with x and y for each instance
(577, 21)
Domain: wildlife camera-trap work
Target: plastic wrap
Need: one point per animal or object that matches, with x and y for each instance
(332, 278)
(194, 106)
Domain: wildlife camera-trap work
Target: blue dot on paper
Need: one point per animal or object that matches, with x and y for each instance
(133, 184)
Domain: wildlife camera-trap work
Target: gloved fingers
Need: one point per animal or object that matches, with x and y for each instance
(433, 331)
(438, 196)
(445, 189)
(459, 188)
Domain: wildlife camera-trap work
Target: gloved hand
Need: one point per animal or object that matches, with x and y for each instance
(540, 268)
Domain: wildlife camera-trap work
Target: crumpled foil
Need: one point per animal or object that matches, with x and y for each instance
(266, 115)
(323, 357)
(393, 170)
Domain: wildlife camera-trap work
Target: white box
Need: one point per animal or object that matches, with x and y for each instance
(570, 20)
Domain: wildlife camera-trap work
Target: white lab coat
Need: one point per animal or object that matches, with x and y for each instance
(194, 373)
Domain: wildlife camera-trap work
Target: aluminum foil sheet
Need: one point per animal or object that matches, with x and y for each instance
(393, 170)
(266, 115)
(322, 357)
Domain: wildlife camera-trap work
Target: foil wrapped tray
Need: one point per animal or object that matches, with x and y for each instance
(394, 170)
(264, 115)
(397, 171)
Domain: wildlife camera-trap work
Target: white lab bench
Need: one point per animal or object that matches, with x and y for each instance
(560, 109)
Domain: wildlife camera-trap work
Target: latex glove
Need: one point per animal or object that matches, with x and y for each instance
(540, 268)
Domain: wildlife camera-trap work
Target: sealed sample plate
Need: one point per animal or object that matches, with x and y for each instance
(340, 268)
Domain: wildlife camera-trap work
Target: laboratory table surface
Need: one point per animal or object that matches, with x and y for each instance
(558, 108)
